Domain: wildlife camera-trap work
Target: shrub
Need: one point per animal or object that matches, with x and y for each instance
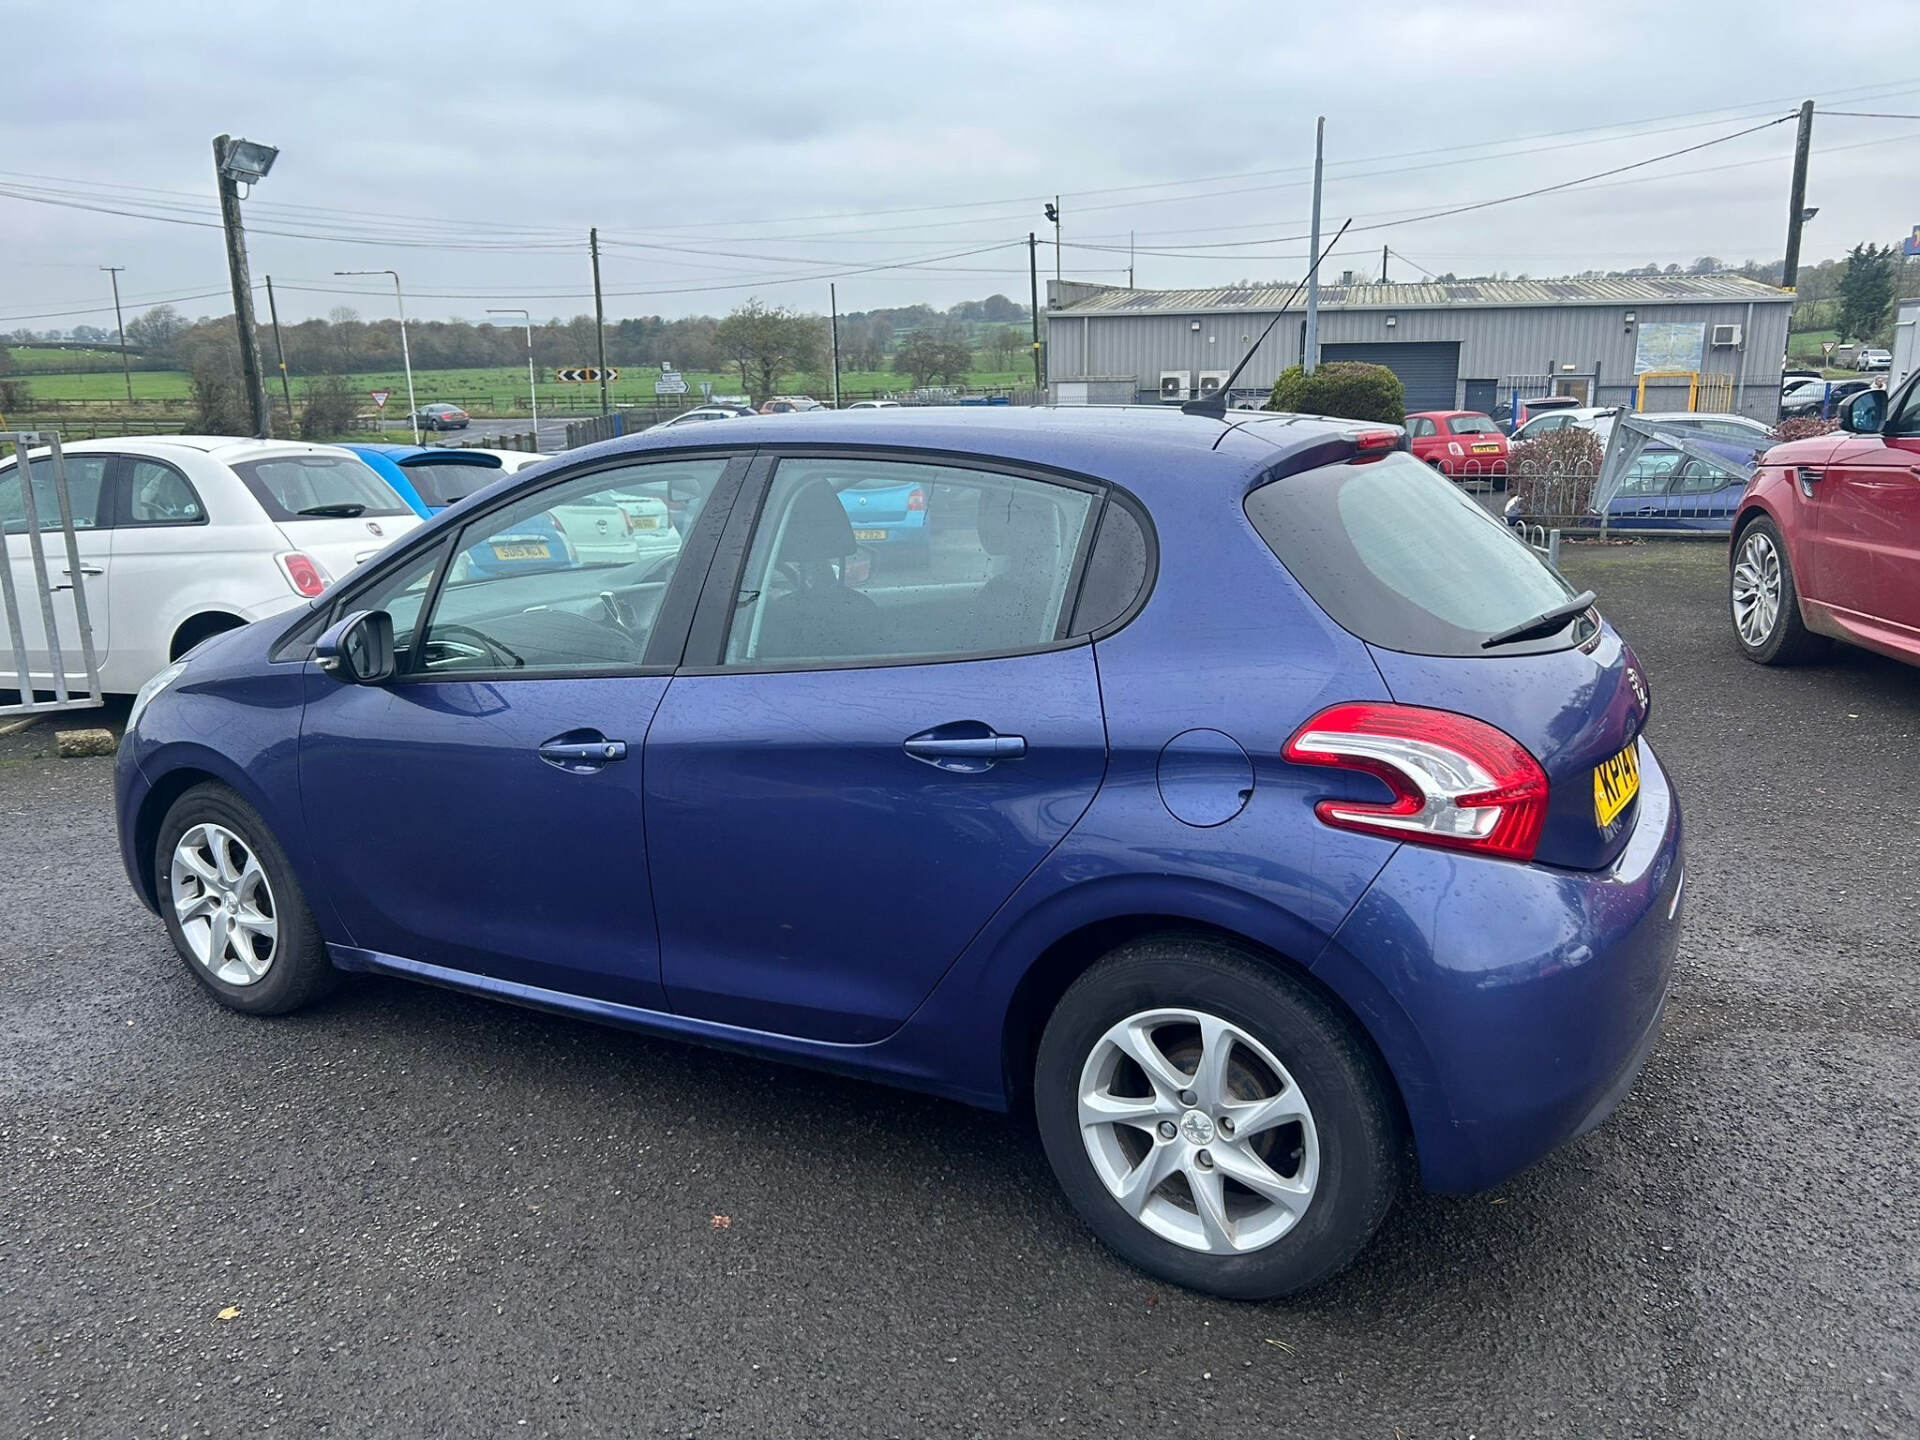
(1344, 390)
(14, 395)
(1804, 427)
(331, 409)
(1554, 475)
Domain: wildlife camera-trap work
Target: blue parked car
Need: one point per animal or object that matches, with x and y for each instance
(431, 477)
(889, 517)
(1235, 796)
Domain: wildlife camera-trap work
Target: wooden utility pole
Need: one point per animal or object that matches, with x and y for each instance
(1797, 198)
(1383, 264)
(1310, 346)
(280, 353)
(113, 273)
(1033, 282)
(242, 289)
(599, 318)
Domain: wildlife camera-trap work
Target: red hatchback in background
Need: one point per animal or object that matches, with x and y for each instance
(1826, 541)
(1460, 444)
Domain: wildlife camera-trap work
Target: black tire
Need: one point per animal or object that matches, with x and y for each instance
(1789, 642)
(1361, 1153)
(298, 972)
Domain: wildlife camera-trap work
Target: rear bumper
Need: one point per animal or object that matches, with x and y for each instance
(1515, 1004)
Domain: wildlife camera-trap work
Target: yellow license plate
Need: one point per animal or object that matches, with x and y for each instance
(647, 522)
(1615, 783)
(1486, 449)
(869, 534)
(536, 550)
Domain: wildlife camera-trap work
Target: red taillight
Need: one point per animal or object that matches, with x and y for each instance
(916, 499)
(1376, 442)
(1456, 781)
(302, 573)
(557, 525)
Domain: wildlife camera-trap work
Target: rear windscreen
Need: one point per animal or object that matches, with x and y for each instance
(1400, 557)
(318, 487)
(442, 484)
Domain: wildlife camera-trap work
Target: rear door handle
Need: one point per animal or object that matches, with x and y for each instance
(581, 751)
(67, 584)
(965, 747)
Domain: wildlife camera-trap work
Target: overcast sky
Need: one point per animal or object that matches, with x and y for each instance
(752, 150)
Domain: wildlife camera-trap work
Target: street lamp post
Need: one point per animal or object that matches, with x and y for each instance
(533, 393)
(237, 163)
(406, 358)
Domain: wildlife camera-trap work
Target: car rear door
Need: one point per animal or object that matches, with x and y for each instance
(1866, 522)
(482, 811)
(855, 768)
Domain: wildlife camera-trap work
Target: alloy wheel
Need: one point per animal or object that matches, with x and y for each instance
(224, 904)
(1198, 1131)
(1756, 588)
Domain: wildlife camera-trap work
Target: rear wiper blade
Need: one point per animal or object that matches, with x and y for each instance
(1545, 623)
(346, 510)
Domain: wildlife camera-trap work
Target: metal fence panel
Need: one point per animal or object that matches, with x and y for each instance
(34, 537)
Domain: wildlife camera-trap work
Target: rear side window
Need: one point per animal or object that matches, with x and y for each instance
(1117, 571)
(1404, 560)
(318, 487)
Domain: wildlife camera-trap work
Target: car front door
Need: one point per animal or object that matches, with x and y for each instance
(90, 500)
(858, 765)
(1867, 522)
(481, 812)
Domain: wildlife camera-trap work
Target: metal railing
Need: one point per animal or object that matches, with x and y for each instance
(41, 604)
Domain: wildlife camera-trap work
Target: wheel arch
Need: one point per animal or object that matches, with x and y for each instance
(1070, 955)
(199, 626)
(174, 776)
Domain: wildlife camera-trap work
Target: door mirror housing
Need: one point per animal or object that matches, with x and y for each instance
(1865, 413)
(359, 649)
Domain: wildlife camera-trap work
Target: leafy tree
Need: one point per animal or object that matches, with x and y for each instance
(155, 332)
(766, 342)
(1344, 389)
(1866, 291)
(930, 356)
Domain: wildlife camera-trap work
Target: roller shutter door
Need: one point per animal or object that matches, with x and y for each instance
(1429, 370)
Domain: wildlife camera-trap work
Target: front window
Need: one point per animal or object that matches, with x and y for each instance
(570, 578)
(316, 487)
(1472, 425)
(84, 474)
(1400, 557)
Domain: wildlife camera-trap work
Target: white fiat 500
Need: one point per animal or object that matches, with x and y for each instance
(181, 537)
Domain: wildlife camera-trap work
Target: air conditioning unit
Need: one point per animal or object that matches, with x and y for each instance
(1726, 334)
(1174, 383)
(1212, 380)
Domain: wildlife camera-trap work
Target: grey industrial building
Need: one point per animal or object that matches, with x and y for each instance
(1469, 345)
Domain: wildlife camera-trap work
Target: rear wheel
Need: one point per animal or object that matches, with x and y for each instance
(233, 909)
(1215, 1121)
(1766, 602)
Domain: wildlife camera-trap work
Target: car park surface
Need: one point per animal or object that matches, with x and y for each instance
(617, 1254)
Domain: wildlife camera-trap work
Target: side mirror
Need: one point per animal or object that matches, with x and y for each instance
(1865, 413)
(359, 649)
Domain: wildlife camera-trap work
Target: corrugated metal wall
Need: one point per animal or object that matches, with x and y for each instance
(1495, 342)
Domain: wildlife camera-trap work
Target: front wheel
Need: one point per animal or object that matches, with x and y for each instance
(1214, 1120)
(233, 908)
(1766, 601)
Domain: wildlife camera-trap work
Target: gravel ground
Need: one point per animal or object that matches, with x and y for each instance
(408, 1213)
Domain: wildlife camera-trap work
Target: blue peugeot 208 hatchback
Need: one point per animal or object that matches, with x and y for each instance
(1233, 794)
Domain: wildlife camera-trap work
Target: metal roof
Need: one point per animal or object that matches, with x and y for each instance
(1651, 290)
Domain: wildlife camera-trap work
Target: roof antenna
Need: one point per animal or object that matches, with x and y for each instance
(1216, 403)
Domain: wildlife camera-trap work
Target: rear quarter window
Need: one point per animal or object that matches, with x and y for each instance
(1400, 557)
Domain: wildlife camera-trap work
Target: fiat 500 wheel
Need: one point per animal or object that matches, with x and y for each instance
(1215, 1120)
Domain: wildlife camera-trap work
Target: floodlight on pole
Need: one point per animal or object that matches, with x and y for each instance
(237, 163)
(533, 394)
(406, 358)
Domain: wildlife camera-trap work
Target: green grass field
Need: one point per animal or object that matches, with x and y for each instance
(498, 390)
